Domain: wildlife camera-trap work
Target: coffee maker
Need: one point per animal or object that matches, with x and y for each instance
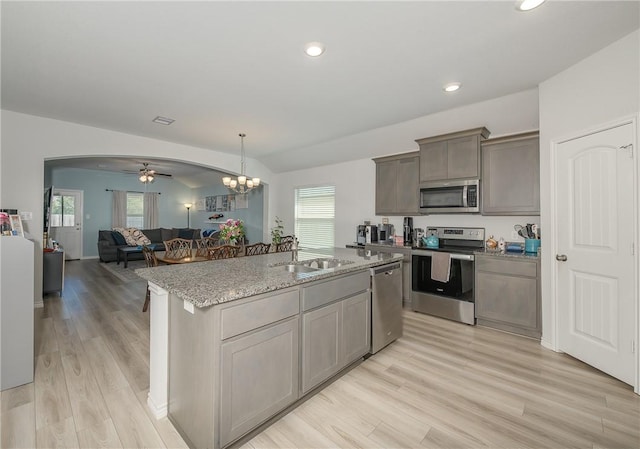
(408, 231)
(385, 232)
(371, 233)
(361, 235)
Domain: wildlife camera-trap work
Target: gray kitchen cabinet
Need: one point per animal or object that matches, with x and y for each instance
(233, 365)
(406, 268)
(386, 180)
(511, 175)
(259, 377)
(451, 156)
(336, 326)
(356, 327)
(397, 184)
(507, 291)
(321, 336)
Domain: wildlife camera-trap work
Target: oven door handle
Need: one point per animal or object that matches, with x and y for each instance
(453, 255)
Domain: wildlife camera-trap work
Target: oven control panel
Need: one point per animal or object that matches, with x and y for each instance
(457, 233)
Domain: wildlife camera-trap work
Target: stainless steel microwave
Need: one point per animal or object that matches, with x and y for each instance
(450, 197)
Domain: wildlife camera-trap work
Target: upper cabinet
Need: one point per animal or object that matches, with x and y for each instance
(397, 184)
(451, 156)
(511, 175)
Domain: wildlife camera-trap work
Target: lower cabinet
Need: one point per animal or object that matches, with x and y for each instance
(356, 326)
(235, 365)
(333, 337)
(321, 335)
(336, 326)
(259, 377)
(508, 294)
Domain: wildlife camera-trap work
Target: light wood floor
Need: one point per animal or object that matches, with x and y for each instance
(443, 385)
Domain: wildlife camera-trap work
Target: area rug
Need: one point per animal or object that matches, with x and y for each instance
(125, 274)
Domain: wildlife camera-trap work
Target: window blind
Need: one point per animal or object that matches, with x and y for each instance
(315, 216)
(135, 217)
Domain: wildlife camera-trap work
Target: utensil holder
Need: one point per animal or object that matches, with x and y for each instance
(531, 245)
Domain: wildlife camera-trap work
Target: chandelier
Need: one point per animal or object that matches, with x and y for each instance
(242, 184)
(146, 175)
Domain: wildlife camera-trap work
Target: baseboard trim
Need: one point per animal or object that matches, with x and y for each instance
(158, 412)
(548, 345)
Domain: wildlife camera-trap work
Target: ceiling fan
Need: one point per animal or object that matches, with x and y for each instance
(147, 174)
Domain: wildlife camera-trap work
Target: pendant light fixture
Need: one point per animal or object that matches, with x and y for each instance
(241, 184)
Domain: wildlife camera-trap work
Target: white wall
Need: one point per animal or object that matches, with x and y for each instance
(504, 115)
(355, 180)
(28, 140)
(601, 88)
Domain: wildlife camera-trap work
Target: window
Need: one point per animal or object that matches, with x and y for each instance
(135, 210)
(315, 216)
(63, 210)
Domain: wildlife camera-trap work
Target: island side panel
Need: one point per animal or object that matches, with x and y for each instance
(157, 398)
(192, 372)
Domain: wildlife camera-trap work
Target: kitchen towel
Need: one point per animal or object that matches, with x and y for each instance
(440, 266)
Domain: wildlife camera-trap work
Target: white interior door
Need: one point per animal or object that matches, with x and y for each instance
(595, 263)
(66, 221)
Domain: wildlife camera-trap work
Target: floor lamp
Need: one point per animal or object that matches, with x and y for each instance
(188, 206)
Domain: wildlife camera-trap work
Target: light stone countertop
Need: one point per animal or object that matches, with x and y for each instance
(218, 281)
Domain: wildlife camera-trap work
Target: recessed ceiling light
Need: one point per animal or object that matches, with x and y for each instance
(451, 87)
(163, 120)
(528, 5)
(314, 49)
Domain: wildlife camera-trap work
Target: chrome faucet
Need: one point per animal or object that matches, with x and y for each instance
(294, 250)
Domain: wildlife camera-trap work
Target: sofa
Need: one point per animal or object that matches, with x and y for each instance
(108, 247)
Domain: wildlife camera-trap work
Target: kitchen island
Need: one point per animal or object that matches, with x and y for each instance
(235, 342)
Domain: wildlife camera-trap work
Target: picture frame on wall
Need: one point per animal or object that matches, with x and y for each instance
(16, 225)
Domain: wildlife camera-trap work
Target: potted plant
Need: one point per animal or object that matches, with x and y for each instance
(232, 231)
(277, 232)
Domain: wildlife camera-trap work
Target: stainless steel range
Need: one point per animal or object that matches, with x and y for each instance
(443, 284)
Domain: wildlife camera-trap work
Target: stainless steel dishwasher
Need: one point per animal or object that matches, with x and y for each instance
(386, 305)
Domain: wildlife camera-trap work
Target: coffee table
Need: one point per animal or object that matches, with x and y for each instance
(124, 251)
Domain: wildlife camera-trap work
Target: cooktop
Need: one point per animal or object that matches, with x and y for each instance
(456, 240)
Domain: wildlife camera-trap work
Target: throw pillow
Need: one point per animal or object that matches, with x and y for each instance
(185, 234)
(133, 236)
(119, 238)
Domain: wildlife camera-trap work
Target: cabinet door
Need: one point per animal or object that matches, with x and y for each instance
(386, 180)
(463, 157)
(356, 327)
(407, 196)
(321, 335)
(507, 299)
(433, 161)
(511, 178)
(259, 377)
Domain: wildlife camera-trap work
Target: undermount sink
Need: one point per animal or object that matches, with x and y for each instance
(299, 268)
(325, 264)
(309, 266)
